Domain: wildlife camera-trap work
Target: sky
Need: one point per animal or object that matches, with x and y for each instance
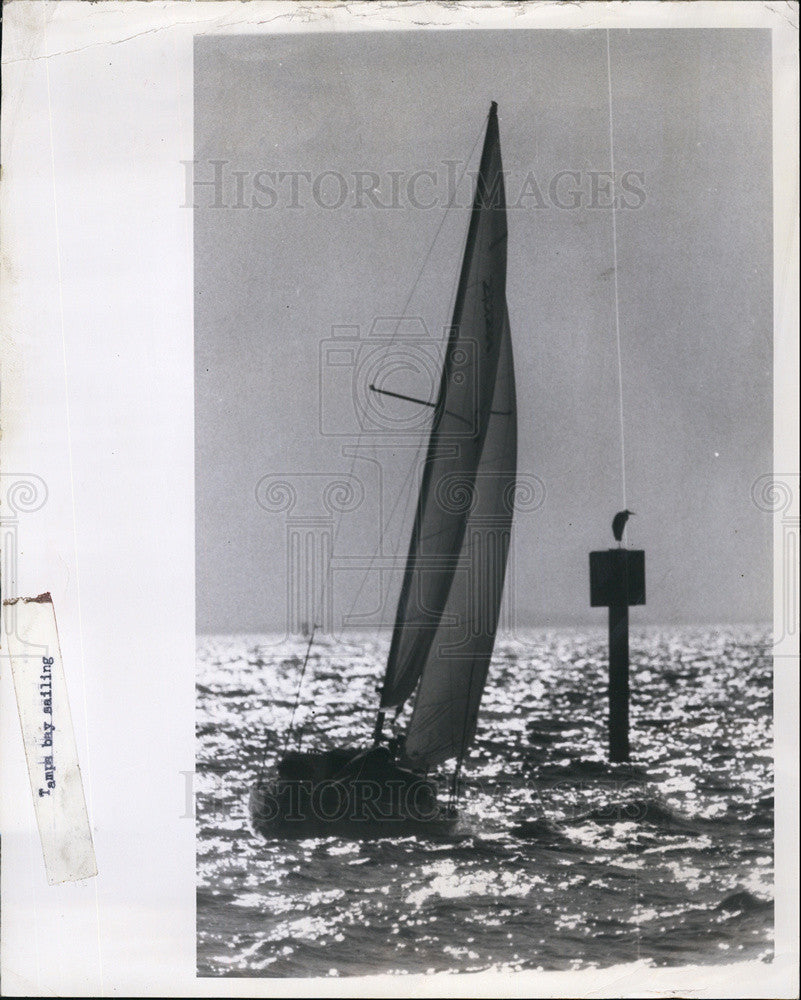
(336, 156)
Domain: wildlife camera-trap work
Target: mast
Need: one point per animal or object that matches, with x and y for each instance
(462, 415)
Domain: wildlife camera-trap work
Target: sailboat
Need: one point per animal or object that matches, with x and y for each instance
(450, 597)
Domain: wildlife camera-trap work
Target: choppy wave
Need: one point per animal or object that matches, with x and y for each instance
(560, 860)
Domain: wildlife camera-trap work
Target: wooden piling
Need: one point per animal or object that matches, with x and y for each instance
(618, 683)
(617, 580)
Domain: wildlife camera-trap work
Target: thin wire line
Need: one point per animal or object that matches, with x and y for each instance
(619, 368)
(614, 250)
(402, 497)
(297, 696)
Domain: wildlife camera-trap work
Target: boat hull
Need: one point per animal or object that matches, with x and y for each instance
(348, 793)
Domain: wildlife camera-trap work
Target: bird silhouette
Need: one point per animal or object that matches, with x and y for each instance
(619, 524)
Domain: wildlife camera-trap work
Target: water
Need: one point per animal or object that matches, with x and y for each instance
(560, 861)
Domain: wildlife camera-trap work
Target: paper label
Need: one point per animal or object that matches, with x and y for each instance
(49, 739)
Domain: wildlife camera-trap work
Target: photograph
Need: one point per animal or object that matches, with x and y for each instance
(484, 499)
(399, 498)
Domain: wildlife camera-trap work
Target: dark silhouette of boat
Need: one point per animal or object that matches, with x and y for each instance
(450, 598)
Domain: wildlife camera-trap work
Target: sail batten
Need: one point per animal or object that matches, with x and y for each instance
(453, 581)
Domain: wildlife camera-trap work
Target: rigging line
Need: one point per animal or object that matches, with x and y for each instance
(439, 230)
(417, 281)
(614, 251)
(481, 133)
(405, 491)
(395, 333)
(297, 694)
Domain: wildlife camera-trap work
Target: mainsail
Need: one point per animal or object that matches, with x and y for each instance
(452, 587)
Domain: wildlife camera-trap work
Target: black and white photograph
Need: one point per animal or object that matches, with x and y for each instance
(482, 340)
(399, 498)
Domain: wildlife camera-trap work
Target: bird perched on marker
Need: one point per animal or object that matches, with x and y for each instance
(619, 524)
